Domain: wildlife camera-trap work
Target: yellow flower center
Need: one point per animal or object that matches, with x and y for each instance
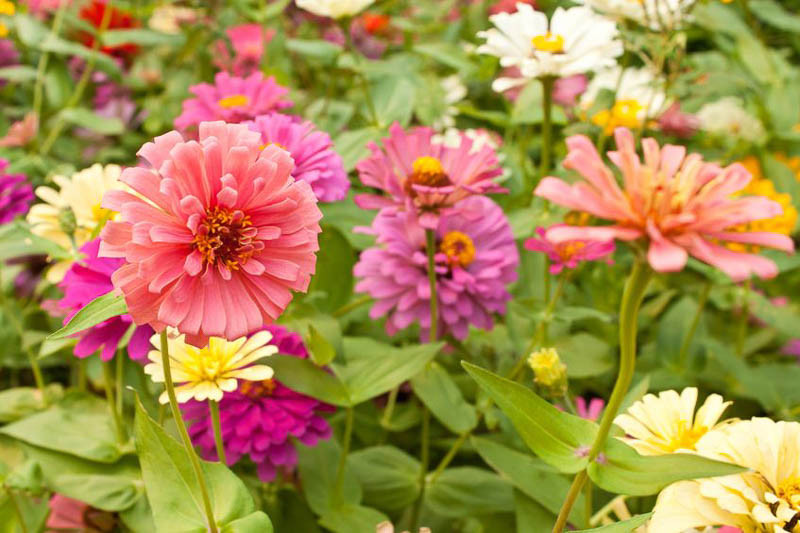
(577, 218)
(279, 145)
(458, 248)
(226, 236)
(235, 100)
(685, 437)
(549, 42)
(625, 113)
(6, 7)
(257, 389)
(567, 249)
(789, 490)
(427, 171)
(100, 214)
(209, 363)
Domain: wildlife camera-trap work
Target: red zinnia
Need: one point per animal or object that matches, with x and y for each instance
(94, 12)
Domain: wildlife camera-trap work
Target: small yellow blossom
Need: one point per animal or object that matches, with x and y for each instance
(548, 370)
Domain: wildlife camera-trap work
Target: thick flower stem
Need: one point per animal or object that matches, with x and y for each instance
(187, 442)
(629, 311)
(547, 124)
(348, 436)
(213, 409)
(108, 383)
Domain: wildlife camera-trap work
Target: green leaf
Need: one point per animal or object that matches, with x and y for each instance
(18, 73)
(314, 49)
(756, 58)
(304, 376)
(320, 349)
(320, 464)
(18, 240)
(85, 118)
(469, 491)
(621, 470)
(531, 516)
(20, 402)
(449, 54)
(626, 526)
(141, 37)
(351, 518)
(528, 107)
(775, 15)
(388, 476)
(101, 308)
(257, 522)
(26, 477)
(333, 281)
(441, 395)
(573, 313)
(352, 146)
(782, 319)
(394, 98)
(585, 355)
(557, 438)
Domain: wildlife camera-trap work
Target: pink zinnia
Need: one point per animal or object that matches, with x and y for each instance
(16, 194)
(568, 253)
(679, 204)
(675, 122)
(590, 411)
(475, 262)
(220, 237)
(262, 418)
(232, 99)
(248, 42)
(425, 176)
(315, 160)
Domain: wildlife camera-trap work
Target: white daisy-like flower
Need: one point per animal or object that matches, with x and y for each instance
(454, 91)
(654, 14)
(727, 117)
(765, 499)
(168, 18)
(209, 372)
(575, 41)
(334, 9)
(667, 423)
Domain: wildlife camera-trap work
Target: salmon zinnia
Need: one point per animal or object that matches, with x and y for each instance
(220, 237)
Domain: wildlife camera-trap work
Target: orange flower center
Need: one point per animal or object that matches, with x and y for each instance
(568, 249)
(235, 100)
(279, 145)
(427, 171)
(686, 436)
(257, 389)
(549, 42)
(226, 236)
(458, 248)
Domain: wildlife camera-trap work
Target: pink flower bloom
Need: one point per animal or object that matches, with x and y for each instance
(568, 253)
(232, 99)
(592, 411)
(679, 204)
(67, 514)
(219, 239)
(792, 348)
(567, 90)
(423, 176)
(16, 194)
(8, 56)
(40, 8)
(21, 132)
(509, 6)
(315, 160)
(675, 122)
(475, 261)
(729, 529)
(248, 42)
(261, 417)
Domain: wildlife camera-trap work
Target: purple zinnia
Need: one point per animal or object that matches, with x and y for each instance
(475, 261)
(16, 194)
(86, 280)
(315, 160)
(259, 417)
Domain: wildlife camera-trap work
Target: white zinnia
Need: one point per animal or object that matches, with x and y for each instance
(577, 40)
(334, 9)
(727, 117)
(638, 93)
(655, 14)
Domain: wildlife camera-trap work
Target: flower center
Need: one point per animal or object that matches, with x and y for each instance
(257, 389)
(279, 145)
(235, 100)
(549, 42)
(458, 248)
(625, 113)
(100, 213)
(427, 171)
(568, 249)
(686, 437)
(789, 490)
(226, 236)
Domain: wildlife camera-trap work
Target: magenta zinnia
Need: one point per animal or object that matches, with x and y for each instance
(475, 261)
(678, 204)
(567, 254)
(16, 194)
(260, 418)
(220, 236)
(421, 175)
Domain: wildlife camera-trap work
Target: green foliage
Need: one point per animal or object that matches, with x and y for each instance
(101, 308)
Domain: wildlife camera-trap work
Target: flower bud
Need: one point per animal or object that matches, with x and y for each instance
(548, 371)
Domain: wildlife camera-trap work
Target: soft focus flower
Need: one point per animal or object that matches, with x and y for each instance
(590, 411)
(576, 41)
(667, 423)
(654, 14)
(88, 278)
(388, 527)
(638, 96)
(248, 42)
(232, 99)
(368, 34)
(71, 215)
(679, 204)
(333, 8)
(220, 237)
(168, 18)
(675, 122)
(375, 23)
(67, 514)
(16, 194)
(765, 498)
(94, 13)
(727, 117)
(425, 176)
(567, 90)
(454, 91)
(476, 259)
(548, 370)
(509, 6)
(261, 418)
(40, 8)
(568, 253)
(315, 160)
(207, 373)
(792, 348)
(21, 132)
(28, 277)
(8, 56)
(6, 8)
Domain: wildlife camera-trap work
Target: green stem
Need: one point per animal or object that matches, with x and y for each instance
(587, 501)
(629, 311)
(701, 304)
(41, 68)
(355, 304)
(451, 453)
(547, 124)
(82, 374)
(389, 410)
(120, 381)
(348, 436)
(213, 409)
(187, 442)
(18, 510)
(108, 384)
(430, 249)
(744, 317)
(423, 471)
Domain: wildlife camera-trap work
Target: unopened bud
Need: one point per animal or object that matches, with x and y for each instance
(67, 221)
(548, 371)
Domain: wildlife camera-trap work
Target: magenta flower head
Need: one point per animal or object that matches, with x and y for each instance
(260, 418)
(567, 254)
(16, 194)
(232, 99)
(315, 160)
(424, 176)
(218, 237)
(475, 262)
(248, 42)
(86, 280)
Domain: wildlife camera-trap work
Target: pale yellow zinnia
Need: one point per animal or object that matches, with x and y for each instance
(667, 423)
(207, 373)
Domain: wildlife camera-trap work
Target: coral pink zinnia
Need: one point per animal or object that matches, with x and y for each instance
(567, 254)
(219, 238)
(679, 204)
(425, 176)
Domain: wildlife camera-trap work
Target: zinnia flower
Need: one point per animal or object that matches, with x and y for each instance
(261, 418)
(16, 194)
(575, 41)
(334, 9)
(207, 373)
(248, 42)
(232, 99)
(679, 204)
(219, 238)
(675, 122)
(567, 90)
(94, 12)
(67, 514)
(655, 14)
(315, 160)
(668, 423)
(509, 6)
(168, 18)
(548, 371)
(21, 132)
(568, 253)
(8, 56)
(765, 498)
(425, 176)
(727, 117)
(87, 279)
(475, 261)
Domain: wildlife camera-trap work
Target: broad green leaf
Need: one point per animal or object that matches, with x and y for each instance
(34, 512)
(352, 146)
(346, 216)
(393, 98)
(320, 463)
(531, 516)
(388, 476)
(304, 376)
(256, 522)
(626, 526)
(101, 308)
(775, 15)
(60, 46)
(319, 348)
(716, 17)
(142, 37)
(333, 281)
(441, 395)
(756, 58)
(85, 118)
(449, 54)
(18, 241)
(573, 313)
(18, 73)
(26, 477)
(351, 518)
(20, 402)
(324, 51)
(467, 491)
(621, 470)
(556, 437)
(585, 355)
